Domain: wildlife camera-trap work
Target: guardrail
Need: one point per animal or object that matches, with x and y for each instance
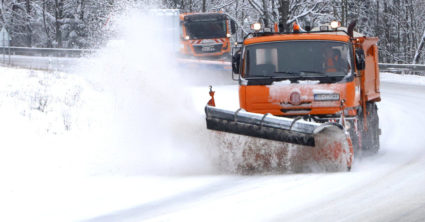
(402, 67)
(76, 53)
(55, 52)
(56, 59)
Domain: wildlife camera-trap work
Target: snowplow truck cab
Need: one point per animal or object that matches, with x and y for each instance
(206, 34)
(294, 85)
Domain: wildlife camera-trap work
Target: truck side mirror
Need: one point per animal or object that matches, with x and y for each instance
(232, 27)
(360, 59)
(236, 60)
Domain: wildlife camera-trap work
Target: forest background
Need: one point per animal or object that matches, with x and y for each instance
(399, 24)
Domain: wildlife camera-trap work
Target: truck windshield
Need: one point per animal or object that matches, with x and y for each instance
(312, 60)
(206, 29)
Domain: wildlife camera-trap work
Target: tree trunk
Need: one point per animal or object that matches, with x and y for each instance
(275, 16)
(82, 10)
(2, 12)
(413, 31)
(419, 50)
(204, 5)
(266, 13)
(236, 16)
(344, 12)
(377, 19)
(28, 21)
(243, 23)
(49, 42)
(58, 21)
(284, 16)
(387, 34)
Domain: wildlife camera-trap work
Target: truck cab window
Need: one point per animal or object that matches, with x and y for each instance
(307, 59)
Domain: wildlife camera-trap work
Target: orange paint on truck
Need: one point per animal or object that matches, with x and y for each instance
(290, 75)
(214, 44)
(363, 88)
(272, 99)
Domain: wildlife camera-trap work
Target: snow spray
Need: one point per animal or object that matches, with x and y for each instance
(149, 125)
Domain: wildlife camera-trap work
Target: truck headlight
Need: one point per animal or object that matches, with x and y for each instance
(335, 24)
(256, 26)
(326, 97)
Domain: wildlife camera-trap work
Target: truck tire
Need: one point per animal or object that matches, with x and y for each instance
(370, 137)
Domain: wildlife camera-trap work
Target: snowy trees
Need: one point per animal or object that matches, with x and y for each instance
(80, 23)
(53, 23)
(16, 17)
(397, 27)
(398, 23)
(313, 12)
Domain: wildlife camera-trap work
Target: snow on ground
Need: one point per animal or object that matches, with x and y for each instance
(403, 78)
(123, 138)
(76, 149)
(125, 114)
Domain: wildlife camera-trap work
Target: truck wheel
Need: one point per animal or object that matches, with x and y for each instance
(370, 140)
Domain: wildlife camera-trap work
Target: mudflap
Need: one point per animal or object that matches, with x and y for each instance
(251, 143)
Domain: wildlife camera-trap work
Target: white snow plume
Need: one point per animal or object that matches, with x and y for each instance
(150, 125)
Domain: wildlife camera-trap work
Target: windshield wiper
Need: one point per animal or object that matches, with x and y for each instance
(270, 77)
(312, 73)
(282, 76)
(286, 72)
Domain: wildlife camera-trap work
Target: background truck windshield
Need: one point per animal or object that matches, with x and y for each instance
(298, 58)
(206, 29)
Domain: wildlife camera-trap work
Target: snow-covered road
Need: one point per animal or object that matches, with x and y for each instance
(70, 161)
(123, 138)
(387, 187)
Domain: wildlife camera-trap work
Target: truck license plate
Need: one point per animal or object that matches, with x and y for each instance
(207, 48)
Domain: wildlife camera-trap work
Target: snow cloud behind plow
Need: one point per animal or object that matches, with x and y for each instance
(150, 123)
(126, 111)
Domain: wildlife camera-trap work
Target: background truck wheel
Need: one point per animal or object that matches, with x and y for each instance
(370, 138)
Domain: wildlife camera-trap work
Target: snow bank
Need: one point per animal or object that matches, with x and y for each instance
(402, 78)
(42, 115)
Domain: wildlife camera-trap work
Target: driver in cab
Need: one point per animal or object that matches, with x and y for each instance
(334, 62)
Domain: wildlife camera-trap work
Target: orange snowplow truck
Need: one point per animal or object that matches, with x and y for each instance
(206, 34)
(316, 88)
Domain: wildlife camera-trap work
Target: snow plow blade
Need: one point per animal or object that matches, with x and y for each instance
(264, 126)
(278, 137)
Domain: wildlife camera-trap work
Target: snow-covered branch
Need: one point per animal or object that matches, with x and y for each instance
(223, 5)
(307, 11)
(419, 50)
(256, 6)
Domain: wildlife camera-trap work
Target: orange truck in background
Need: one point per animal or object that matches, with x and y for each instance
(293, 85)
(206, 35)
